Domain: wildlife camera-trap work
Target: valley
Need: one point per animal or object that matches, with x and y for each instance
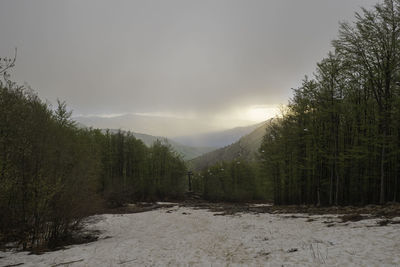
(200, 133)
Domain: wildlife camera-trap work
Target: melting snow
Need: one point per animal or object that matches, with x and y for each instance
(192, 237)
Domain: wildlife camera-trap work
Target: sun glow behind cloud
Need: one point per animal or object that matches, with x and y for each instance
(172, 124)
(261, 113)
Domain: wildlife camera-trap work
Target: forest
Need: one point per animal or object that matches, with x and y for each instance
(338, 141)
(53, 174)
(236, 181)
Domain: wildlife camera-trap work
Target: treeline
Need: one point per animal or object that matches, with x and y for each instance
(338, 142)
(52, 174)
(236, 181)
(132, 171)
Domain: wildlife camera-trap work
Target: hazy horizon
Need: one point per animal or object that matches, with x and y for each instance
(200, 65)
(164, 125)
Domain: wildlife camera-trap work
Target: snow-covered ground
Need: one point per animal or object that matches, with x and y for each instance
(191, 237)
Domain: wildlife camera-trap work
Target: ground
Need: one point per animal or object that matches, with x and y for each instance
(192, 236)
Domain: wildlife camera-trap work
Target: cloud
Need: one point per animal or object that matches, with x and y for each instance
(175, 58)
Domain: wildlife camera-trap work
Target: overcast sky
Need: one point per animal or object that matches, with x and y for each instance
(184, 58)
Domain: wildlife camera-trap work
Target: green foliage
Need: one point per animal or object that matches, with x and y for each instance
(246, 148)
(339, 140)
(131, 171)
(237, 180)
(53, 174)
(47, 180)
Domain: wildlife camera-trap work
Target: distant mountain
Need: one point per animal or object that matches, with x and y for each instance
(190, 146)
(153, 125)
(161, 125)
(187, 152)
(217, 139)
(246, 148)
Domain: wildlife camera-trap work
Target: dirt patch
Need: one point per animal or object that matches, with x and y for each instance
(16, 264)
(352, 217)
(387, 222)
(135, 208)
(346, 213)
(76, 237)
(383, 222)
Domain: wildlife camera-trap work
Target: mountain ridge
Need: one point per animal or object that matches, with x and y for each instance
(246, 148)
(187, 152)
(158, 125)
(217, 139)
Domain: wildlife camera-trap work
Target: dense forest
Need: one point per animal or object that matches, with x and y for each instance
(236, 181)
(52, 173)
(246, 148)
(338, 142)
(235, 172)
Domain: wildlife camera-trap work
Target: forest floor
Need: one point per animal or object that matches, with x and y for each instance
(198, 233)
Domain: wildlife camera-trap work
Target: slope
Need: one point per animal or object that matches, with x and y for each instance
(246, 148)
(187, 152)
(217, 139)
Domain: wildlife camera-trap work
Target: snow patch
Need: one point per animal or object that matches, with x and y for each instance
(186, 236)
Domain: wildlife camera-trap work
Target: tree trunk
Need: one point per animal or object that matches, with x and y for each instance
(331, 188)
(395, 188)
(382, 192)
(337, 187)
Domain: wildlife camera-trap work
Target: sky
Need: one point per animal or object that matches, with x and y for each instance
(213, 63)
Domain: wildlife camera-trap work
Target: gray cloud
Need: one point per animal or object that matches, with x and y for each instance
(198, 57)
